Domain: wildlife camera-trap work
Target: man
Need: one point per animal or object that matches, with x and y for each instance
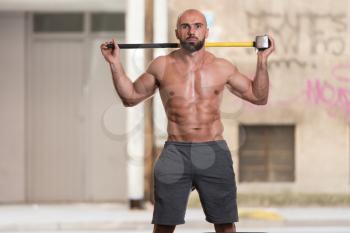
(191, 81)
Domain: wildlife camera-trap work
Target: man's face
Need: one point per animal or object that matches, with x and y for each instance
(191, 31)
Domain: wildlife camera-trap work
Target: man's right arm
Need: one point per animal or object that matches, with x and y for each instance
(131, 93)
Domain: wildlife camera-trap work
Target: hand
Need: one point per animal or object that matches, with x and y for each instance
(110, 55)
(265, 53)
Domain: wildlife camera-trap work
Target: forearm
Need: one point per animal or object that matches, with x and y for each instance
(122, 84)
(260, 85)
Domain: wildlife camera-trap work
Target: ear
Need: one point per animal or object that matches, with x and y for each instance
(207, 33)
(176, 33)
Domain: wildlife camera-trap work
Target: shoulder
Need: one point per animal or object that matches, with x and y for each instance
(224, 63)
(157, 66)
(157, 63)
(226, 67)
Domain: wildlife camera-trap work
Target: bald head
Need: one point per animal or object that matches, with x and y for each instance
(191, 30)
(190, 14)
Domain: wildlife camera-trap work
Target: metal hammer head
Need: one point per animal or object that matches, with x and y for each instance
(262, 42)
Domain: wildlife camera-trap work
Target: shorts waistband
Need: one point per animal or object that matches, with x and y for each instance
(206, 143)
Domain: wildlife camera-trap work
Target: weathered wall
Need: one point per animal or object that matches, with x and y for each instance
(12, 100)
(309, 73)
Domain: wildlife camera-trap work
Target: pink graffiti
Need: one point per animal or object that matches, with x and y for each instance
(332, 95)
(338, 72)
(319, 91)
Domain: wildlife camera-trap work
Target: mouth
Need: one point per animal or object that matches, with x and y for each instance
(192, 39)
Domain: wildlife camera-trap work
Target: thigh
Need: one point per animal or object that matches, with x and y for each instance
(217, 190)
(172, 186)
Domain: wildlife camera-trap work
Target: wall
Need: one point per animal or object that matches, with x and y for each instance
(309, 73)
(102, 117)
(12, 172)
(62, 5)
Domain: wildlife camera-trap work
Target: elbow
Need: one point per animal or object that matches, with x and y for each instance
(260, 97)
(262, 101)
(128, 103)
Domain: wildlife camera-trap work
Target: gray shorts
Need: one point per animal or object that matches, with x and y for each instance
(206, 166)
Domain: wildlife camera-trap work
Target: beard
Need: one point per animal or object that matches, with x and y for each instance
(192, 46)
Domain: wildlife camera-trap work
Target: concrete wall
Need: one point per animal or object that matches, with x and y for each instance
(12, 172)
(102, 117)
(309, 73)
(62, 5)
(106, 145)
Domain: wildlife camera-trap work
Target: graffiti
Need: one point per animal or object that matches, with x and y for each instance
(323, 92)
(289, 63)
(338, 72)
(302, 34)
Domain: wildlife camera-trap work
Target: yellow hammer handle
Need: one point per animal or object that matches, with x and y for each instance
(229, 44)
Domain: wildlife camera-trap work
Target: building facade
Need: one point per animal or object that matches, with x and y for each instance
(60, 140)
(299, 141)
(66, 136)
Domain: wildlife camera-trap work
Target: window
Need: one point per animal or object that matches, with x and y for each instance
(107, 22)
(74, 22)
(266, 153)
(58, 22)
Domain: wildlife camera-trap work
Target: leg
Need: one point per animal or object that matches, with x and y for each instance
(172, 187)
(225, 227)
(163, 228)
(216, 185)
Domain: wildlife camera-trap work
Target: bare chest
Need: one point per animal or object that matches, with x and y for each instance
(191, 83)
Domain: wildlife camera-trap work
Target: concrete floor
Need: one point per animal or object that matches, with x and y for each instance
(95, 218)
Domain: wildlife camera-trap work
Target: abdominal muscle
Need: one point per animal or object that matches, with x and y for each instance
(194, 121)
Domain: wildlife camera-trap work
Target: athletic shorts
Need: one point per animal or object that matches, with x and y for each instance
(206, 166)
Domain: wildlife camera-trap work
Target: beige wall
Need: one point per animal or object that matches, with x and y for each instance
(62, 5)
(310, 81)
(99, 116)
(12, 172)
(105, 148)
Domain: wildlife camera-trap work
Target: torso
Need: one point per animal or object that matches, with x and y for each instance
(191, 96)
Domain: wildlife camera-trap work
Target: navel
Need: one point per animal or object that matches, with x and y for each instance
(171, 93)
(216, 92)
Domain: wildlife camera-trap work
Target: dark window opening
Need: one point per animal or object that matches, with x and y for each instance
(266, 153)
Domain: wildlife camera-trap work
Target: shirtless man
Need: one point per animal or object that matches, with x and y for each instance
(191, 81)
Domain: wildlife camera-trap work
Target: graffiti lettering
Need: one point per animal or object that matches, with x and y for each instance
(322, 92)
(301, 34)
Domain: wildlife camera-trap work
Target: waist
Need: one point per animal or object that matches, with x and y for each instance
(220, 142)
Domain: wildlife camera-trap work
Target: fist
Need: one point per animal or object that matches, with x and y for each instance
(266, 52)
(111, 55)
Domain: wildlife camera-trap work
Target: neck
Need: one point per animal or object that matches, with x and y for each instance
(192, 57)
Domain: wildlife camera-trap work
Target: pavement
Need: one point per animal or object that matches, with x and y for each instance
(118, 218)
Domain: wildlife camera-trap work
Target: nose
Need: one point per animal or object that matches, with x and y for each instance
(191, 30)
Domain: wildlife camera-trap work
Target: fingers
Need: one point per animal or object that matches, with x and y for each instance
(270, 49)
(104, 46)
(272, 42)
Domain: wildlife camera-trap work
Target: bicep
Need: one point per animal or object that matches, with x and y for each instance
(148, 82)
(145, 85)
(240, 85)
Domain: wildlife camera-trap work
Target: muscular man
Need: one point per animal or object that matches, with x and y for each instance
(191, 81)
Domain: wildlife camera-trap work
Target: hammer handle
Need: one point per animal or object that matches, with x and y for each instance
(145, 46)
(176, 45)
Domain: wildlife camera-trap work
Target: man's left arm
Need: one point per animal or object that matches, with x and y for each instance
(255, 91)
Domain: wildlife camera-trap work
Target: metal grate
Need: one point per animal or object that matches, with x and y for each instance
(266, 153)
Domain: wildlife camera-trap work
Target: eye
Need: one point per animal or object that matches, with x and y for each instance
(198, 25)
(184, 26)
